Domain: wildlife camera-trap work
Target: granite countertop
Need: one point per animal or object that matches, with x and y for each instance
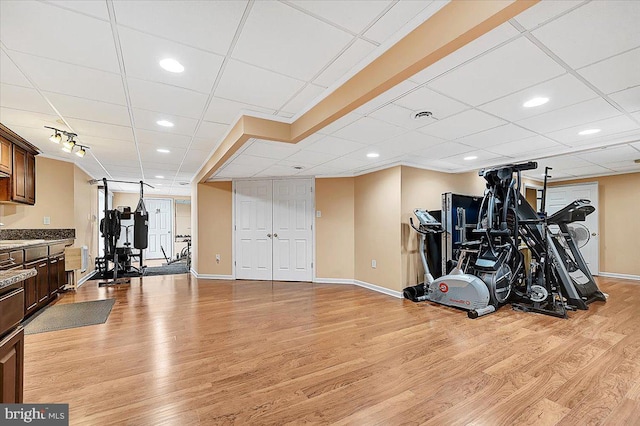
(15, 276)
(19, 244)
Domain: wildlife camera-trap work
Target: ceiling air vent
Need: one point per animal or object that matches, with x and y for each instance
(418, 115)
(298, 167)
(183, 183)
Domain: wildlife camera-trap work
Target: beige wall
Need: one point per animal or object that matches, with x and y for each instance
(619, 223)
(424, 189)
(54, 198)
(213, 209)
(377, 228)
(335, 240)
(85, 207)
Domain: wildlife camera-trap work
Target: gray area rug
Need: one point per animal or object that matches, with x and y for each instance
(173, 269)
(69, 315)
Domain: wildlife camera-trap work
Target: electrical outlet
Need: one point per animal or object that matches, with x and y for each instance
(318, 213)
(47, 220)
(217, 258)
(374, 264)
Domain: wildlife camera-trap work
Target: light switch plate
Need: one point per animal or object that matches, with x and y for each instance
(47, 220)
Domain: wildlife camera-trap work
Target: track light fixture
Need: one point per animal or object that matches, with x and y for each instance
(70, 144)
(82, 150)
(55, 137)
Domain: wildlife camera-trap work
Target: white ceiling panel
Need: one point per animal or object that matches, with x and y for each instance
(195, 158)
(14, 117)
(309, 158)
(628, 166)
(346, 62)
(348, 163)
(340, 123)
(587, 170)
(211, 131)
(497, 36)
(413, 141)
(10, 74)
(96, 9)
(511, 68)
(628, 99)
(592, 32)
(544, 11)
(562, 163)
(205, 24)
(353, 15)
(463, 124)
(445, 150)
(23, 98)
(149, 152)
(149, 120)
(387, 153)
(161, 139)
(257, 163)
(226, 111)
(386, 97)
(430, 163)
(54, 76)
(610, 126)
(235, 171)
(283, 39)
(582, 113)
(164, 98)
(203, 145)
(268, 149)
(304, 98)
(100, 130)
(87, 109)
(397, 17)
(331, 145)
(278, 170)
(142, 54)
(532, 145)
(369, 131)
(496, 136)
(399, 116)
(324, 170)
(614, 154)
(256, 86)
(482, 158)
(426, 99)
(74, 38)
(39, 136)
(561, 91)
(615, 74)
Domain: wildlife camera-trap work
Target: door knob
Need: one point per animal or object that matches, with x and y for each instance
(269, 235)
(275, 235)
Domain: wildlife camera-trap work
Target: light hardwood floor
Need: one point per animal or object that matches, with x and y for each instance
(177, 350)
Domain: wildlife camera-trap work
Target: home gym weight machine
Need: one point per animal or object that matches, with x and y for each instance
(121, 255)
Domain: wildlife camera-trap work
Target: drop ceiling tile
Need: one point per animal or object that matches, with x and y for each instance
(636, 115)
(615, 154)
(286, 40)
(413, 141)
(348, 163)
(211, 131)
(148, 120)
(493, 38)
(574, 115)
(23, 98)
(14, 117)
(87, 109)
(535, 144)
(387, 97)
(309, 158)
(445, 150)
(196, 157)
(610, 126)
(268, 149)
(256, 86)
(10, 74)
(386, 153)
(397, 17)
(38, 136)
(86, 128)
(164, 98)
(593, 32)
(226, 111)
(306, 97)
(561, 91)
(252, 161)
(483, 158)
(624, 166)
(340, 123)
(353, 15)
(399, 116)
(309, 140)
(346, 63)
(324, 170)
(77, 39)
(149, 153)
(161, 139)
(426, 99)
(463, 124)
(278, 170)
(628, 99)
(96, 9)
(588, 171)
(368, 131)
(208, 25)
(562, 163)
(430, 163)
(234, 171)
(496, 136)
(72, 80)
(615, 74)
(332, 145)
(510, 68)
(204, 144)
(142, 54)
(544, 11)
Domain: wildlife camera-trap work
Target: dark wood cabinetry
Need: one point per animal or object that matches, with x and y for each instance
(30, 294)
(11, 367)
(30, 179)
(41, 280)
(17, 168)
(5, 156)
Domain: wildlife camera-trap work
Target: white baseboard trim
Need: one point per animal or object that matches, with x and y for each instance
(211, 276)
(85, 278)
(623, 276)
(369, 286)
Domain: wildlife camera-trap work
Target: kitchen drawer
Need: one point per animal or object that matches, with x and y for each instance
(17, 256)
(35, 253)
(55, 249)
(11, 309)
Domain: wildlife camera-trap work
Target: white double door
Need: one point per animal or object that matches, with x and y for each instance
(274, 229)
(559, 196)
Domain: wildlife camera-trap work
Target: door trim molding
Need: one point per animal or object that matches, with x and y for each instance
(622, 276)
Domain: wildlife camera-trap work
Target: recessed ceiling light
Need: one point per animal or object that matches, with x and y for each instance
(171, 65)
(535, 102)
(589, 132)
(471, 157)
(162, 150)
(373, 155)
(159, 177)
(164, 123)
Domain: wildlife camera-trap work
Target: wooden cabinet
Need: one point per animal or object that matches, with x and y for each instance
(5, 156)
(41, 280)
(62, 273)
(30, 295)
(11, 367)
(53, 276)
(30, 179)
